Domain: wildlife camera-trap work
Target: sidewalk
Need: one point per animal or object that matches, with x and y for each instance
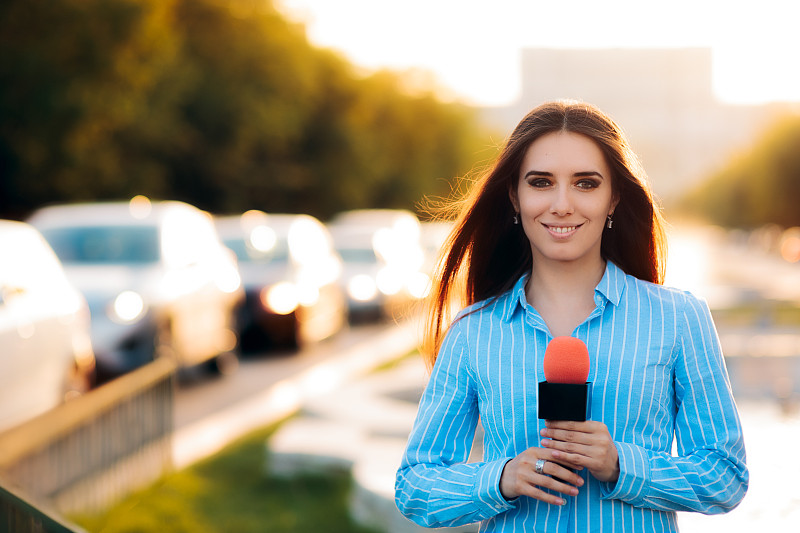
(363, 428)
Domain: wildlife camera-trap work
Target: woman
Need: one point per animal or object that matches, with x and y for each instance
(562, 237)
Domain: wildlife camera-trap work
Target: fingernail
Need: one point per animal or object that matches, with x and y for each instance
(545, 442)
(574, 492)
(562, 502)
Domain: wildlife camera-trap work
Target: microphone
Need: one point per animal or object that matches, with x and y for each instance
(565, 392)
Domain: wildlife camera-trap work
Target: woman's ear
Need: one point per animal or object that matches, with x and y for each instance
(512, 195)
(614, 204)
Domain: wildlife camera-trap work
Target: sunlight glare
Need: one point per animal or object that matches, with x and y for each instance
(473, 48)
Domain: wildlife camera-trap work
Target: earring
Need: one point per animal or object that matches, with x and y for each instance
(610, 222)
(516, 218)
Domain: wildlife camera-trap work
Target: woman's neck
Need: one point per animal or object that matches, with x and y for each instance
(563, 293)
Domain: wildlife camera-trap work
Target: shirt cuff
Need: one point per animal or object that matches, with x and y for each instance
(634, 471)
(486, 491)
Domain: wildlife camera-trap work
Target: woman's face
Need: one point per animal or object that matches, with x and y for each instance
(564, 195)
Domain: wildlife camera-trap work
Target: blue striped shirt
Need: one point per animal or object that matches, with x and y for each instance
(658, 376)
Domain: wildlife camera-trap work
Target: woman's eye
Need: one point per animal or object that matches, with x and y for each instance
(588, 184)
(539, 183)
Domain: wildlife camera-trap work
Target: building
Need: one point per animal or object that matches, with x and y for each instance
(663, 99)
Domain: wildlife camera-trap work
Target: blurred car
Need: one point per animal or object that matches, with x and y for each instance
(46, 354)
(433, 236)
(383, 260)
(290, 273)
(362, 267)
(157, 278)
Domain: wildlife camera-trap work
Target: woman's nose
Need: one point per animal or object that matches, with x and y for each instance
(561, 204)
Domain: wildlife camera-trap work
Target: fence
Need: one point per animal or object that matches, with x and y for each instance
(87, 453)
(18, 515)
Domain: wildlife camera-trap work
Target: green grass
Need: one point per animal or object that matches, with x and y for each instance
(231, 492)
(773, 313)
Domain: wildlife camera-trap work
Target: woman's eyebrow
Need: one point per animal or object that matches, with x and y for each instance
(538, 173)
(588, 173)
(583, 174)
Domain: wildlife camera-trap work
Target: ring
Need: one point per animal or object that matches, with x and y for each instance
(539, 467)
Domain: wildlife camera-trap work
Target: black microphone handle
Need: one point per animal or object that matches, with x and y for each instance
(563, 401)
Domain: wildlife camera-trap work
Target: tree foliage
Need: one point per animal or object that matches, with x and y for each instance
(761, 186)
(222, 103)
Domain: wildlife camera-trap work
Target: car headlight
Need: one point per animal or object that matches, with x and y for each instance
(127, 307)
(362, 288)
(390, 281)
(419, 285)
(282, 298)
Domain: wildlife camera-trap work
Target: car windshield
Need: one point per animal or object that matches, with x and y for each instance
(358, 255)
(105, 245)
(247, 253)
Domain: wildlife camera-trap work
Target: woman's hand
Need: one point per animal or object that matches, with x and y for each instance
(586, 444)
(519, 477)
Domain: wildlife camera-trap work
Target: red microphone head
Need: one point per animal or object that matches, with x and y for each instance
(566, 360)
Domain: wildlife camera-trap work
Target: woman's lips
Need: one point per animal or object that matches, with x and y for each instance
(562, 231)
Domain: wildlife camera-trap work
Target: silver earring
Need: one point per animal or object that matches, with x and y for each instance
(610, 222)
(516, 218)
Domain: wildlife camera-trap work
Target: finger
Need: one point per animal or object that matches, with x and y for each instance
(558, 457)
(533, 485)
(597, 463)
(571, 458)
(589, 427)
(567, 437)
(564, 435)
(564, 424)
(564, 478)
(574, 455)
(536, 493)
(579, 437)
(569, 447)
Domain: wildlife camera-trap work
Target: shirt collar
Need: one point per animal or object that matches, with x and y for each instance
(613, 283)
(609, 289)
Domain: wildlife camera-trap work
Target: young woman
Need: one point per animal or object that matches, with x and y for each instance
(562, 237)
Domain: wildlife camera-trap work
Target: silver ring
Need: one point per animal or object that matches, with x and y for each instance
(539, 467)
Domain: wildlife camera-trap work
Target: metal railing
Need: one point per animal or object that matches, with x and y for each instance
(91, 451)
(18, 515)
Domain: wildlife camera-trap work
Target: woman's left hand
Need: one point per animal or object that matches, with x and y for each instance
(587, 444)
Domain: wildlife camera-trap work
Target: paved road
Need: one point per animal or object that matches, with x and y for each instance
(210, 413)
(200, 395)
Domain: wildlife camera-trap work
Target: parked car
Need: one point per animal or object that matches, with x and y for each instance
(290, 273)
(157, 278)
(433, 236)
(383, 260)
(46, 353)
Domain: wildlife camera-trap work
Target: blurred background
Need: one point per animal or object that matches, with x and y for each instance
(216, 219)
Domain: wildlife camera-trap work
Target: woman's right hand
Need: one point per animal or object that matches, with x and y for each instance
(519, 477)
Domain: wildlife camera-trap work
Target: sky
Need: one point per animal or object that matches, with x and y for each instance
(470, 49)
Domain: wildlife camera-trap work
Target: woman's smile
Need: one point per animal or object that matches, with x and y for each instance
(562, 232)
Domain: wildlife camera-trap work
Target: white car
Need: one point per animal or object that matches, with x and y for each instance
(156, 276)
(45, 349)
(290, 273)
(383, 260)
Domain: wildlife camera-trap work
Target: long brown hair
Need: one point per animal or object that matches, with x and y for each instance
(487, 253)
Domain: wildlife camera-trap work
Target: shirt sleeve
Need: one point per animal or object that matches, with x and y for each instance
(435, 486)
(709, 474)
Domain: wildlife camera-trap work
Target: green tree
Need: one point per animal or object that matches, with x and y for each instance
(758, 187)
(222, 103)
(75, 74)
